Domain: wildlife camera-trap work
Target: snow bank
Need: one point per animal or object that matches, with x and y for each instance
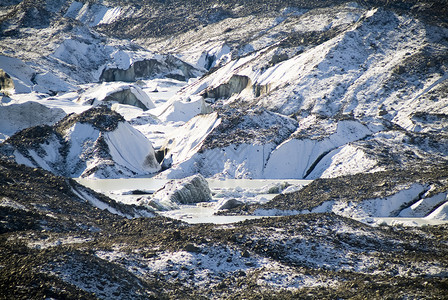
(93, 14)
(296, 158)
(395, 205)
(97, 143)
(27, 79)
(188, 139)
(179, 110)
(19, 72)
(380, 207)
(123, 152)
(112, 92)
(130, 148)
(346, 160)
(234, 161)
(425, 207)
(441, 213)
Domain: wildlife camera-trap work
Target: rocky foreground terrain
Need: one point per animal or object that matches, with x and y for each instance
(56, 244)
(350, 94)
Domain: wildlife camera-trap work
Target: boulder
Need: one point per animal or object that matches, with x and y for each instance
(193, 189)
(230, 203)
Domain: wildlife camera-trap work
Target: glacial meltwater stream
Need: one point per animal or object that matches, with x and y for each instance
(123, 190)
(246, 190)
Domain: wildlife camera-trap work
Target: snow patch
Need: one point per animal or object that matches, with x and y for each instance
(116, 92)
(6, 202)
(295, 157)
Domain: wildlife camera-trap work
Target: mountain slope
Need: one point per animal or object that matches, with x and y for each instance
(353, 95)
(341, 87)
(375, 67)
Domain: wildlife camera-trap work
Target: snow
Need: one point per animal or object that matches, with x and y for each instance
(136, 157)
(20, 73)
(346, 160)
(82, 139)
(380, 207)
(55, 242)
(234, 161)
(187, 139)
(425, 207)
(83, 155)
(401, 207)
(220, 76)
(75, 6)
(122, 59)
(6, 202)
(290, 160)
(110, 16)
(209, 264)
(441, 213)
(97, 203)
(353, 73)
(93, 14)
(183, 110)
(49, 82)
(98, 93)
(294, 157)
(207, 54)
(22, 160)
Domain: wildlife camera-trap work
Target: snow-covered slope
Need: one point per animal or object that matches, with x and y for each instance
(292, 90)
(116, 93)
(71, 52)
(97, 143)
(375, 67)
(351, 94)
(384, 194)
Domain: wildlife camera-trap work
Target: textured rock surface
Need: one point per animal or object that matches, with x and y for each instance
(189, 190)
(60, 245)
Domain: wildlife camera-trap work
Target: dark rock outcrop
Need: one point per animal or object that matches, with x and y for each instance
(6, 83)
(169, 66)
(235, 85)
